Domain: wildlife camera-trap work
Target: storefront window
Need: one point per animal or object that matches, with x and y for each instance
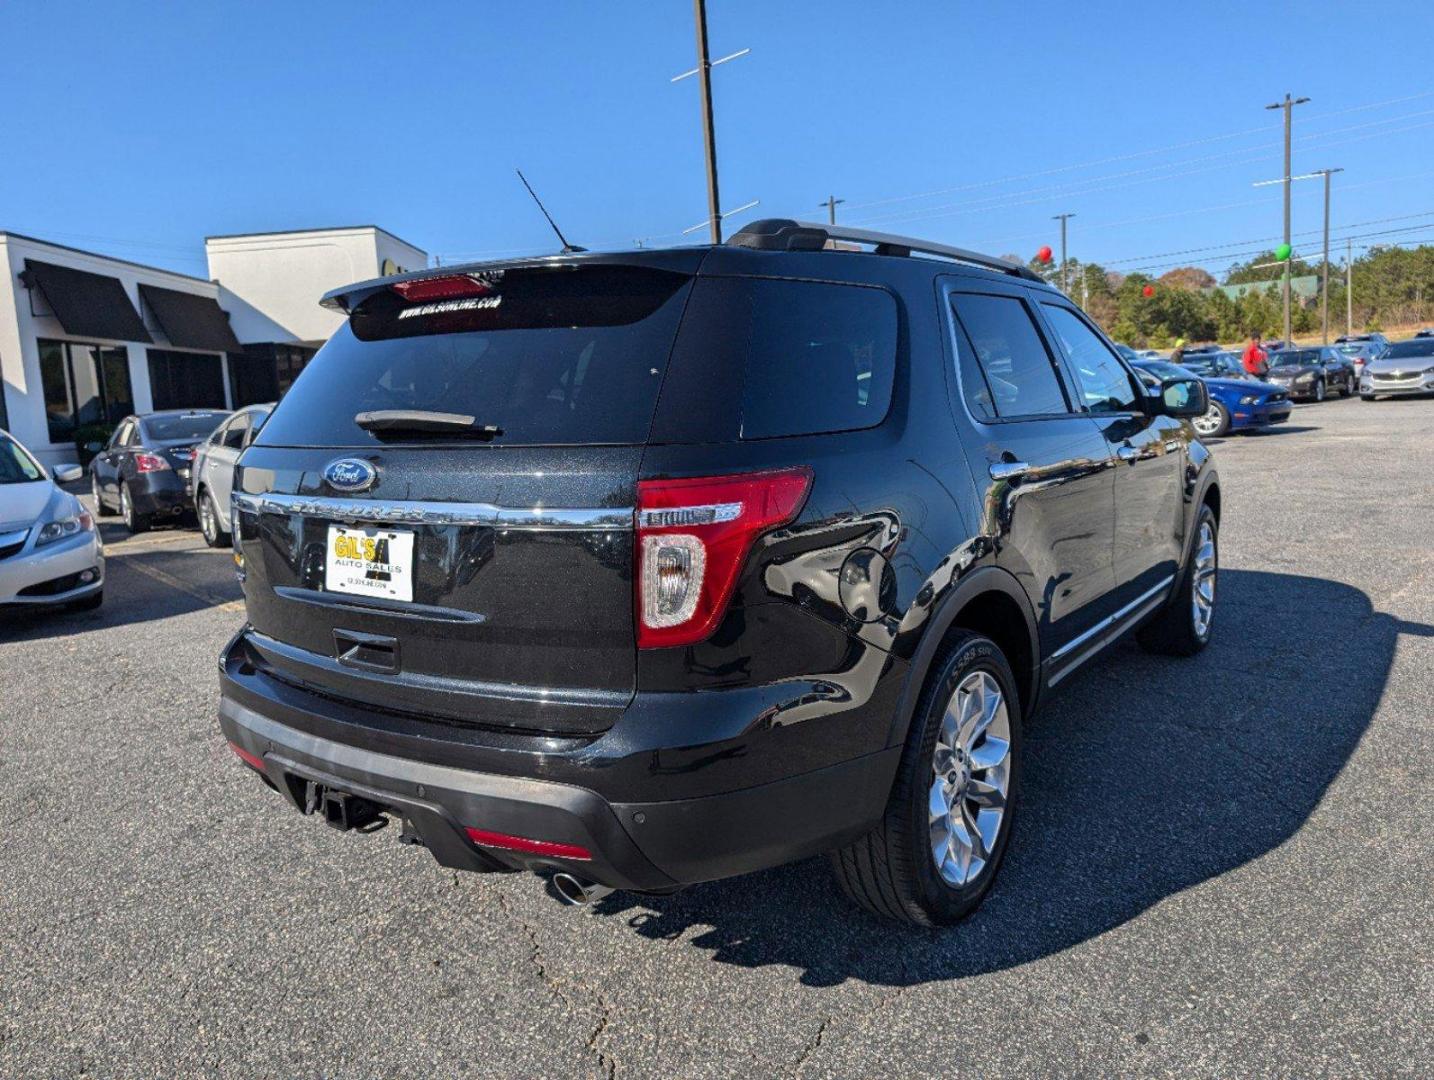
(263, 372)
(186, 380)
(84, 385)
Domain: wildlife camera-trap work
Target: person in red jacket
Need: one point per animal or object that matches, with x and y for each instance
(1255, 359)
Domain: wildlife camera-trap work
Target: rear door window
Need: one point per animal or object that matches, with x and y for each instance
(1012, 373)
(550, 355)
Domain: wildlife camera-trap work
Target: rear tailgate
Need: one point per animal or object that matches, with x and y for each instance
(484, 581)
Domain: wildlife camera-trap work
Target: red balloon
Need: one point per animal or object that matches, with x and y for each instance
(1044, 254)
(1149, 290)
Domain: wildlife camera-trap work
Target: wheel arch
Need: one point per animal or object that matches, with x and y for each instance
(988, 601)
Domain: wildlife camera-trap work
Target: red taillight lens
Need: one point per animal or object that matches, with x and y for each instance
(507, 842)
(150, 463)
(254, 761)
(693, 536)
(449, 287)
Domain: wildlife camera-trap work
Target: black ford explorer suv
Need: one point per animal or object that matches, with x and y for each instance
(639, 570)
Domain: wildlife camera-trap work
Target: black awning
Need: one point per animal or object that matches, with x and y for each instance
(87, 305)
(190, 321)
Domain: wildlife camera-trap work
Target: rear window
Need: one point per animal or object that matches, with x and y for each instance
(187, 426)
(552, 356)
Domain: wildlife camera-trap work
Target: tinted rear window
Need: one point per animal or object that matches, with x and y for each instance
(555, 356)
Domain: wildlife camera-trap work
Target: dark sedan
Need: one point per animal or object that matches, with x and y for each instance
(143, 471)
(1313, 373)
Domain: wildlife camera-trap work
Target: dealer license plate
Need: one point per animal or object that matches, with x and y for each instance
(370, 562)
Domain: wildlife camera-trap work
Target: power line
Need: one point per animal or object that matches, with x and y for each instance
(1097, 185)
(1016, 178)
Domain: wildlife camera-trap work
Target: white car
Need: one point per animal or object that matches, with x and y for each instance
(50, 552)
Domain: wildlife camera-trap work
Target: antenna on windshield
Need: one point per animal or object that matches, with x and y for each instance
(567, 247)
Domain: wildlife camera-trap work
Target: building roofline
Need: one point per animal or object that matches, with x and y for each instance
(4, 233)
(302, 232)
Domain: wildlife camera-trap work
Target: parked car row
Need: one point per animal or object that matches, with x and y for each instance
(1366, 364)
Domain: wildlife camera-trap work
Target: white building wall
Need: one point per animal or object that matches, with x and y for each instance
(276, 280)
(20, 331)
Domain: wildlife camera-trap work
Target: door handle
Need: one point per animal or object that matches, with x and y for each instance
(1009, 470)
(1127, 453)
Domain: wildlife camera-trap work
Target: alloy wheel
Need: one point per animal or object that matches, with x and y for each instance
(206, 518)
(126, 508)
(971, 775)
(1319, 391)
(1209, 422)
(1202, 593)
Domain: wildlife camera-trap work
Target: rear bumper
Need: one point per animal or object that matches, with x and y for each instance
(160, 493)
(636, 841)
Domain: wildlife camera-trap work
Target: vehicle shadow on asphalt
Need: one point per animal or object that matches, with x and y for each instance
(1144, 776)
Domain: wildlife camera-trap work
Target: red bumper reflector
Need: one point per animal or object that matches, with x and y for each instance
(254, 761)
(484, 838)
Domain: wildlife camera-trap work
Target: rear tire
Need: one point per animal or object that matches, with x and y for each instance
(1366, 397)
(1184, 625)
(101, 510)
(214, 536)
(1351, 387)
(134, 521)
(963, 752)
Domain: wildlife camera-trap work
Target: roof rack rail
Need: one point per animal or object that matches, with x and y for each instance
(785, 234)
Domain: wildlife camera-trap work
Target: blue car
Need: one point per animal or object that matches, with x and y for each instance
(1235, 404)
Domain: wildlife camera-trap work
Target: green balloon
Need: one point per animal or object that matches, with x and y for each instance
(1282, 252)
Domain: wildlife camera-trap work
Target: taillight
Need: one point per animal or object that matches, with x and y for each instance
(448, 287)
(150, 463)
(693, 536)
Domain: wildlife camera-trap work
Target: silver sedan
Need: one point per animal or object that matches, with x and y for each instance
(1407, 368)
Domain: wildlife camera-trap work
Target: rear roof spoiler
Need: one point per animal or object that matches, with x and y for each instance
(679, 260)
(785, 234)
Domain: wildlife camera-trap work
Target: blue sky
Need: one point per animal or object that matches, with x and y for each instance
(137, 129)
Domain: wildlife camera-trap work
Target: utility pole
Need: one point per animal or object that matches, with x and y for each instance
(831, 202)
(1349, 286)
(704, 79)
(1288, 105)
(1063, 218)
(1324, 284)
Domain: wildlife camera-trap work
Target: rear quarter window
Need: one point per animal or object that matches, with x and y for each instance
(761, 358)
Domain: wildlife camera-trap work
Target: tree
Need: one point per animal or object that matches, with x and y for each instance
(1192, 278)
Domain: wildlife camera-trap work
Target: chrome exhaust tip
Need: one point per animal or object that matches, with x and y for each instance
(577, 891)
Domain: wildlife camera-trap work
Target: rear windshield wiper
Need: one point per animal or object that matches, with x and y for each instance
(395, 423)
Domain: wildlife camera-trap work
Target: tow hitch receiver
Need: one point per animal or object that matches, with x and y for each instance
(341, 810)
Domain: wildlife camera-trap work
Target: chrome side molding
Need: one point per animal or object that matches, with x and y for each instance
(413, 512)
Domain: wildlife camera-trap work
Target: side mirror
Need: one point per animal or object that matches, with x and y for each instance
(1184, 397)
(68, 474)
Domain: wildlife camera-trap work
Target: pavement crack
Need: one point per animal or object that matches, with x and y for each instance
(799, 1067)
(607, 1064)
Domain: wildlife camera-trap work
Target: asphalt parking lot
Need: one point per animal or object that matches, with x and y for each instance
(1222, 866)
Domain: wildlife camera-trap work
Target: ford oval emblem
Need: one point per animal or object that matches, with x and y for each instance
(350, 474)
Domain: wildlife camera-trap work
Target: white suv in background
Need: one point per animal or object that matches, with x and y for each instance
(50, 553)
